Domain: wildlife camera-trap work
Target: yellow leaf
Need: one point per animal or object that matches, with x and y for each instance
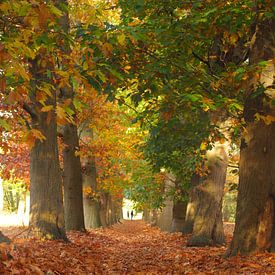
(203, 146)
(60, 112)
(121, 39)
(268, 119)
(37, 134)
(234, 38)
(47, 108)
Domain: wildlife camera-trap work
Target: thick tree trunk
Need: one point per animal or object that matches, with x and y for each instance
(91, 203)
(73, 197)
(192, 206)
(255, 218)
(103, 209)
(255, 204)
(120, 215)
(46, 200)
(92, 218)
(146, 215)
(46, 204)
(109, 210)
(179, 213)
(179, 210)
(47, 216)
(208, 225)
(113, 219)
(165, 215)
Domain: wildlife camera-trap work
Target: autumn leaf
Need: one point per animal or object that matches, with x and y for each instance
(47, 108)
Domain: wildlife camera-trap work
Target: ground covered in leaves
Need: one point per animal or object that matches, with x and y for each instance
(128, 248)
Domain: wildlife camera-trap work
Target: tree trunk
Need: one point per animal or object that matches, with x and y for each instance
(165, 215)
(103, 209)
(111, 211)
(179, 209)
(153, 217)
(179, 213)
(73, 195)
(146, 215)
(255, 218)
(73, 198)
(120, 214)
(46, 203)
(208, 225)
(47, 216)
(91, 203)
(92, 218)
(192, 206)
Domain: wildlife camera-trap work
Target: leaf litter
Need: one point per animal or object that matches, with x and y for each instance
(132, 247)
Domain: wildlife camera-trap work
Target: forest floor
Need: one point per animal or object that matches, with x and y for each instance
(128, 248)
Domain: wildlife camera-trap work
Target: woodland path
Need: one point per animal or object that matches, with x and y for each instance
(128, 248)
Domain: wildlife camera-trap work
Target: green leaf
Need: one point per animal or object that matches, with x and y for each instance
(77, 104)
(5, 124)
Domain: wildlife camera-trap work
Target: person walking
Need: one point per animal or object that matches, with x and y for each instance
(132, 214)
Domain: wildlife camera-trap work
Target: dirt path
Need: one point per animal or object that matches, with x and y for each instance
(128, 248)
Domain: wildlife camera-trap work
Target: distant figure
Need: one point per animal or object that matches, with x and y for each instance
(132, 214)
(128, 215)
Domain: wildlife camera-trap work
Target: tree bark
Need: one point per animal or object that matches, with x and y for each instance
(46, 203)
(73, 197)
(179, 210)
(165, 215)
(179, 213)
(103, 209)
(208, 225)
(255, 218)
(91, 204)
(146, 215)
(154, 217)
(47, 216)
(192, 206)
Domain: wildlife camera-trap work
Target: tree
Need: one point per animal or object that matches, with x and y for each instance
(255, 204)
(32, 87)
(194, 82)
(208, 224)
(72, 175)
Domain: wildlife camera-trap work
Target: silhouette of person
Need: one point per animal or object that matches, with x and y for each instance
(132, 214)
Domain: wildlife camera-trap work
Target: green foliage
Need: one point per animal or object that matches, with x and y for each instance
(146, 188)
(14, 191)
(175, 145)
(229, 206)
(188, 70)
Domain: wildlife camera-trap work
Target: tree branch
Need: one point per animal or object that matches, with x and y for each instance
(30, 111)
